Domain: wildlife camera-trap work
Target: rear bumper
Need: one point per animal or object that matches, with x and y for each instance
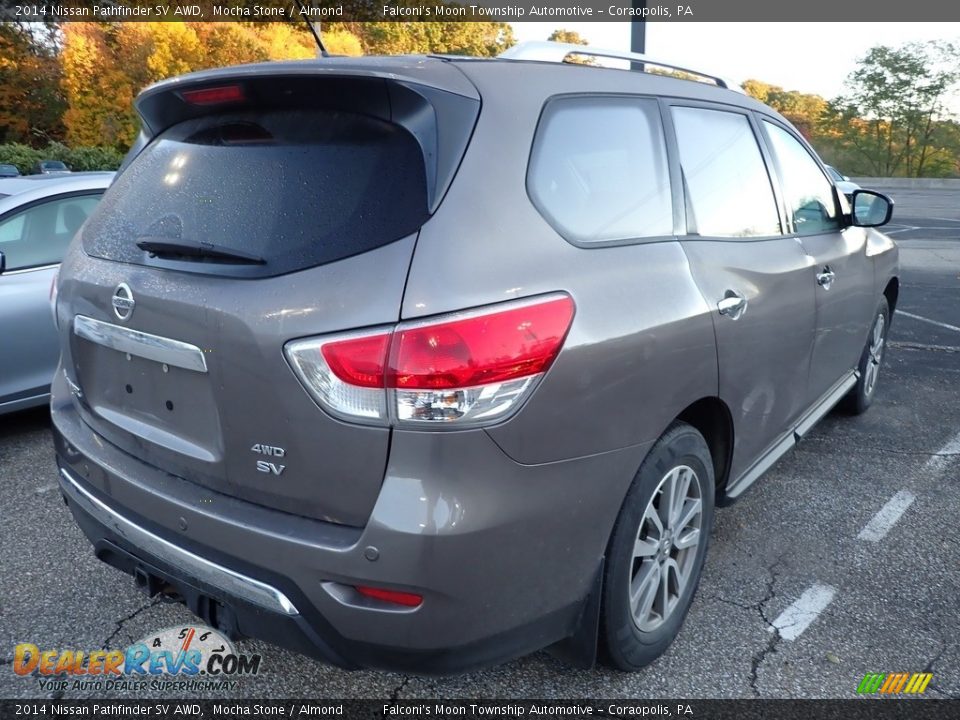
(228, 582)
(504, 555)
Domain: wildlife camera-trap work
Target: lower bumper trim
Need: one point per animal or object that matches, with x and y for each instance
(222, 578)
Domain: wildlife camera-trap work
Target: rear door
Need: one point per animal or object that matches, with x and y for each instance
(840, 271)
(755, 277)
(274, 215)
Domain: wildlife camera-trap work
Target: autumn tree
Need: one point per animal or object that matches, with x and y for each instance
(98, 90)
(481, 39)
(567, 36)
(31, 97)
(804, 110)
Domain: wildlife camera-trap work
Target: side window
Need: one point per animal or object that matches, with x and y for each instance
(808, 192)
(40, 234)
(598, 170)
(725, 180)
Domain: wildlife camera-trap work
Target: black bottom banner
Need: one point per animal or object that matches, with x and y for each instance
(872, 709)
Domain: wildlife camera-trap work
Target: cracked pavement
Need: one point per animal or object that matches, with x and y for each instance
(896, 607)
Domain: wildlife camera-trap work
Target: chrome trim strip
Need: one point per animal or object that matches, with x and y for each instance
(766, 461)
(229, 581)
(803, 426)
(833, 396)
(152, 347)
(21, 271)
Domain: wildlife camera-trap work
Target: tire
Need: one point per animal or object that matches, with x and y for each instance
(861, 395)
(633, 636)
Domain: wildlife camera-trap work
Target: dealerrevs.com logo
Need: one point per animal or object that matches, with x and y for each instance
(176, 658)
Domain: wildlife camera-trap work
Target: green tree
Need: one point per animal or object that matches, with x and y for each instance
(892, 112)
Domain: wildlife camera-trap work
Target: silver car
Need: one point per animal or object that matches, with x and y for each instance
(38, 217)
(843, 183)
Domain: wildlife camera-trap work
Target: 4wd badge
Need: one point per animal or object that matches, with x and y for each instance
(273, 451)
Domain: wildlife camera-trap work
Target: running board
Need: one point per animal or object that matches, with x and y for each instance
(785, 443)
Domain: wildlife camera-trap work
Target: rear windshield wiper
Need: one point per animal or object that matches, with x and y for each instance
(162, 247)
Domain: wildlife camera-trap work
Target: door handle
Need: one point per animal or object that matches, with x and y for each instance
(732, 305)
(825, 277)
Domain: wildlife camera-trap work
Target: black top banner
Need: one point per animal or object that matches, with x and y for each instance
(852, 11)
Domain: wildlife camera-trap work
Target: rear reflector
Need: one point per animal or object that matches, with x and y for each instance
(214, 95)
(473, 367)
(391, 596)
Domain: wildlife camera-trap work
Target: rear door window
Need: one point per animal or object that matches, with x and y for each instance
(725, 180)
(39, 234)
(598, 170)
(295, 188)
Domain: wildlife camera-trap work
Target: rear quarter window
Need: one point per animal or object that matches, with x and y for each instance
(598, 170)
(298, 189)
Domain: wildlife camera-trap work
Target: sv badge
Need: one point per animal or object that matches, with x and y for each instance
(269, 467)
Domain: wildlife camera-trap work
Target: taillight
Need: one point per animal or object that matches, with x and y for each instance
(472, 367)
(345, 373)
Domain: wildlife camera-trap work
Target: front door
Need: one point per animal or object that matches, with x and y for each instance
(840, 272)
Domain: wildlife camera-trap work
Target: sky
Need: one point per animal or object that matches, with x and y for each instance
(809, 57)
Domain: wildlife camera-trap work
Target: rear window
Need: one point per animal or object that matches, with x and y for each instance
(298, 189)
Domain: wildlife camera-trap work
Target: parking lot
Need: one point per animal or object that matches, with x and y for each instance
(842, 560)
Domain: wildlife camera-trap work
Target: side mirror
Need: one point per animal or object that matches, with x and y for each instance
(870, 209)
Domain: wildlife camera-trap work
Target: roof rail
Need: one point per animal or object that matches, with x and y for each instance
(546, 51)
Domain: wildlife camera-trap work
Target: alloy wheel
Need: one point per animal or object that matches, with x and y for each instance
(875, 352)
(665, 549)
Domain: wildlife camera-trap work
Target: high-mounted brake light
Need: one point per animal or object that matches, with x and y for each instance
(468, 368)
(214, 95)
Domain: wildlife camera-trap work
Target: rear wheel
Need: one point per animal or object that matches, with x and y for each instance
(861, 395)
(657, 549)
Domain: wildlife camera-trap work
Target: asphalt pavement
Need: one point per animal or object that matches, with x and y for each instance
(842, 560)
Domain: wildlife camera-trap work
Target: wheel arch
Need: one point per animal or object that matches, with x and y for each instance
(891, 292)
(712, 419)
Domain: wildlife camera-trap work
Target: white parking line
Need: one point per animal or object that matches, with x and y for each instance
(886, 518)
(942, 457)
(900, 230)
(928, 320)
(908, 228)
(797, 618)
